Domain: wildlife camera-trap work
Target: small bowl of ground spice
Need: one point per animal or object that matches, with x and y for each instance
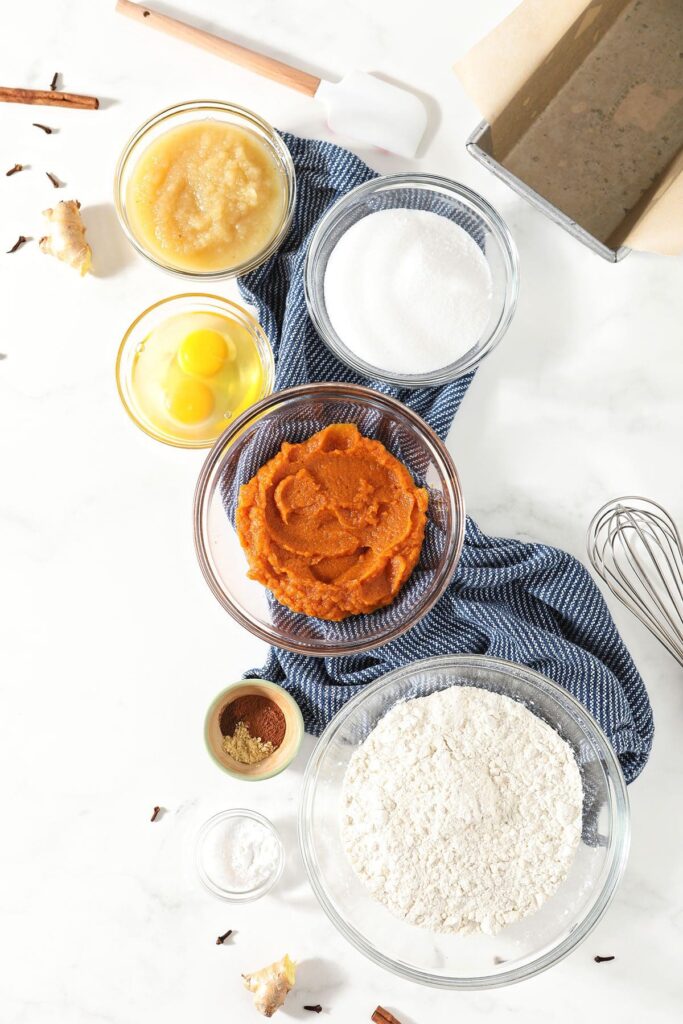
(253, 729)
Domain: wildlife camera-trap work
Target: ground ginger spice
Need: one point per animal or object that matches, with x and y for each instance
(244, 747)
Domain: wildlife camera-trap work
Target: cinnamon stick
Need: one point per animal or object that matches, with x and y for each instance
(382, 1016)
(48, 98)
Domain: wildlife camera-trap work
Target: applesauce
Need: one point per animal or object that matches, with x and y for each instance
(206, 196)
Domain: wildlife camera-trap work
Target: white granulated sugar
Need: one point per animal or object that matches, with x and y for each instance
(408, 291)
(461, 811)
(239, 854)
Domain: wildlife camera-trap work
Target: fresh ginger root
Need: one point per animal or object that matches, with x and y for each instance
(271, 985)
(66, 239)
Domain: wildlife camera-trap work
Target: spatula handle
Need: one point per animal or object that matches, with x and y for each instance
(268, 67)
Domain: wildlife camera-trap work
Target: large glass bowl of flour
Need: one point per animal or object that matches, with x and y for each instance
(475, 960)
(411, 279)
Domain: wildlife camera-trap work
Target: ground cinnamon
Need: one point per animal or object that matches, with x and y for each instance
(261, 716)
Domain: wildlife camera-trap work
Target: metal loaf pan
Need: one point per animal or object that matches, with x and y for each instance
(479, 146)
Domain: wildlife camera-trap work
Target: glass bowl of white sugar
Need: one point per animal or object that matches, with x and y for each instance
(239, 855)
(411, 279)
(464, 822)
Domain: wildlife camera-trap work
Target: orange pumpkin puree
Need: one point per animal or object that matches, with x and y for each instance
(333, 526)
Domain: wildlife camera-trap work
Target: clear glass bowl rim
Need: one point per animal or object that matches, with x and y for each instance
(228, 894)
(315, 301)
(232, 308)
(311, 391)
(619, 838)
(199, 106)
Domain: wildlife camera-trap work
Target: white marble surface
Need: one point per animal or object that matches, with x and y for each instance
(112, 646)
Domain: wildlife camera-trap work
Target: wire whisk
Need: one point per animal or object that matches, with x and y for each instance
(635, 547)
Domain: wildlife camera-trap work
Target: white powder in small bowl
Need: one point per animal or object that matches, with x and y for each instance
(238, 854)
(408, 291)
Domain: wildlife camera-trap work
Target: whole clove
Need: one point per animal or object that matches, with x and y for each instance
(382, 1016)
(221, 938)
(603, 959)
(18, 244)
(53, 83)
(314, 1009)
(155, 813)
(15, 170)
(56, 183)
(43, 127)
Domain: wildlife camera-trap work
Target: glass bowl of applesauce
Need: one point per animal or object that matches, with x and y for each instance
(205, 189)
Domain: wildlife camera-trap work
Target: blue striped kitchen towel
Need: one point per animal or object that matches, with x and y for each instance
(528, 603)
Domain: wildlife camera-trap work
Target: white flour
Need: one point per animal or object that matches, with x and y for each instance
(408, 291)
(462, 811)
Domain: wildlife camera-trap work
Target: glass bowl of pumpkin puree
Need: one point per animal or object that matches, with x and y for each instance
(339, 414)
(205, 189)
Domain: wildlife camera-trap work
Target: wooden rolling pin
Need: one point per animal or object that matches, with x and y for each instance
(48, 98)
(268, 67)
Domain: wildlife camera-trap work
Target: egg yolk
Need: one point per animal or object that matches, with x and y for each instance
(190, 401)
(202, 352)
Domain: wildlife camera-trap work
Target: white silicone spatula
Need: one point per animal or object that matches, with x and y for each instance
(361, 105)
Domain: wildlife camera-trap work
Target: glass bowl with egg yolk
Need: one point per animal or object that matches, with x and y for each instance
(189, 365)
